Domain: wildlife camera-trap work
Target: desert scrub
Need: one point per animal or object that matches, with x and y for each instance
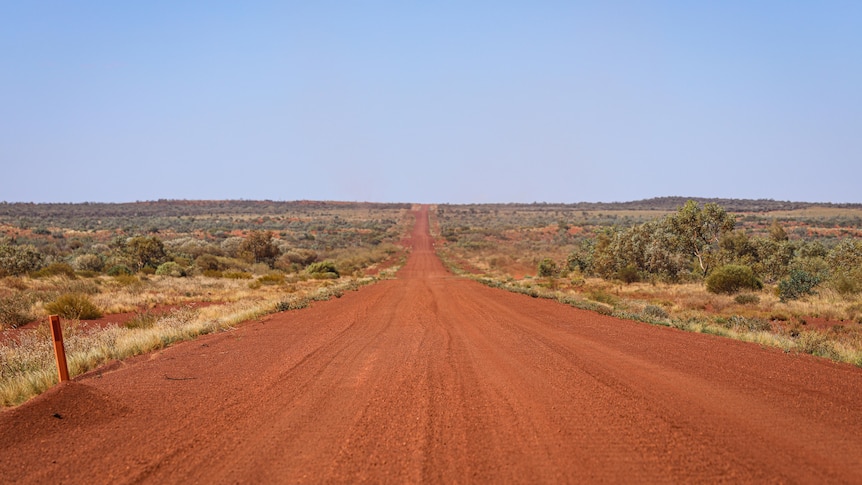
(800, 283)
(27, 367)
(747, 299)
(655, 311)
(732, 278)
(170, 269)
(74, 306)
(14, 311)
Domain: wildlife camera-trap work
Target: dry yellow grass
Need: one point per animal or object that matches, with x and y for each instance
(27, 367)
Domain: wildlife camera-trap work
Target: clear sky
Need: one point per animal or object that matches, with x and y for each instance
(451, 101)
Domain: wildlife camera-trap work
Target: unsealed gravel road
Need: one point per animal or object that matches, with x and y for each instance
(433, 378)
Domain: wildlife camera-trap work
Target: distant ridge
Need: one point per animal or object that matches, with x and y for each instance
(673, 203)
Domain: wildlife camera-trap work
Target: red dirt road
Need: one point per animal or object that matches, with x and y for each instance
(432, 378)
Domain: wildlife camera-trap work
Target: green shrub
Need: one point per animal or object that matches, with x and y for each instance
(753, 324)
(14, 311)
(272, 279)
(208, 262)
(547, 268)
(170, 269)
(848, 283)
(237, 275)
(603, 297)
(655, 311)
(629, 274)
(55, 269)
(74, 306)
(797, 285)
(89, 262)
(17, 260)
(732, 278)
(747, 299)
(323, 269)
(119, 269)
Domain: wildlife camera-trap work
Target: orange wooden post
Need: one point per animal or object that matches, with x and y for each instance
(59, 350)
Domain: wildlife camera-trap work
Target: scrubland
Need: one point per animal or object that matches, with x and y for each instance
(176, 279)
(784, 275)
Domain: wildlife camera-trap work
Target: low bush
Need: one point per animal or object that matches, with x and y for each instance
(748, 323)
(55, 269)
(732, 278)
(291, 304)
(547, 268)
(272, 279)
(629, 274)
(145, 319)
(237, 275)
(170, 269)
(602, 296)
(797, 285)
(14, 311)
(323, 270)
(17, 260)
(655, 311)
(89, 262)
(119, 269)
(74, 306)
(747, 299)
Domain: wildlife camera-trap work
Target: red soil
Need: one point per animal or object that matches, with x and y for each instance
(434, 378)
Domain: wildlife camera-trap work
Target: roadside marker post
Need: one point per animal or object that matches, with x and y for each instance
(59, 349)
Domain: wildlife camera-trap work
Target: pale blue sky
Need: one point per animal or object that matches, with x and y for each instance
(482, 101)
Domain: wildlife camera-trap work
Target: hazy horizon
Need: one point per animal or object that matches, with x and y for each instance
(449, 103)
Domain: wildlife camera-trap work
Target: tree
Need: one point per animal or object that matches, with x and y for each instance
(259, 248)
(697, 230)
(146, 251)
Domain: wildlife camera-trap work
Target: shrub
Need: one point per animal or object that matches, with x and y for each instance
(74, 306)
(89, 262)
(126, 279)
(547, 268)
(119, 269)
(208, 262)
(272, 279)
(16, 260)
(292, 304)
(146, 251)
(747, 299)
(14, 311)
(797, 285)
(753, 324)
(629, 274)
(323, 269)
(259, 247)
(655, 311)
(212, 273)
(142, 320)
(170, 269)
(237, 275)
(55, 269)
(732, 278)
